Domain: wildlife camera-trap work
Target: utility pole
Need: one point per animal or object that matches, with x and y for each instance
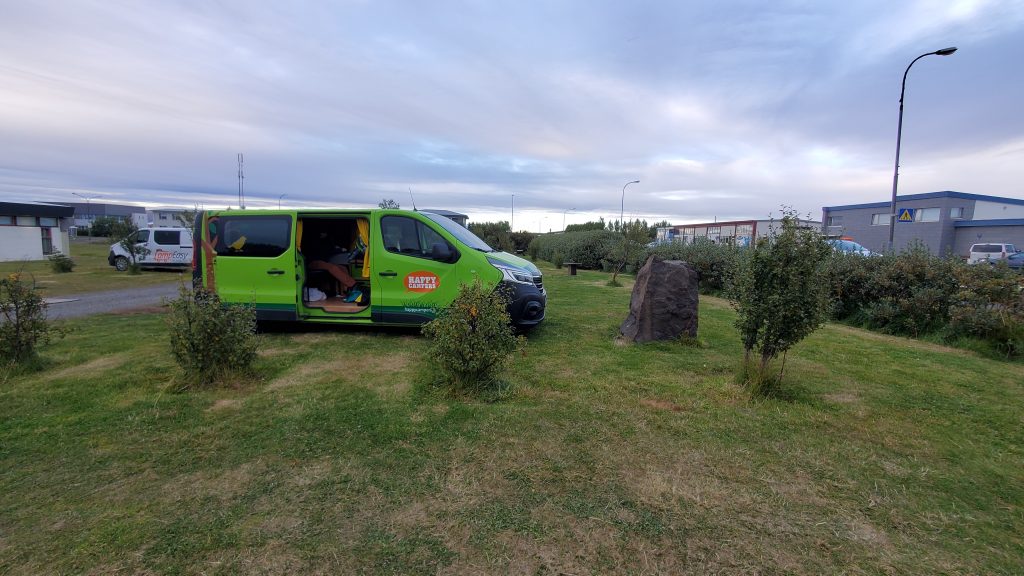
(241, 179)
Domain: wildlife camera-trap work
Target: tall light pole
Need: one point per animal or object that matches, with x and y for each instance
(622, 203)
(512, 224)
(279, 200)
(88, 207)
(899, 135)
(563, 217)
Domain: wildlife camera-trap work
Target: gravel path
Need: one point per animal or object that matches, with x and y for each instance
(75, 305)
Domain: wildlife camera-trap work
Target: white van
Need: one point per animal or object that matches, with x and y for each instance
(990, 252)
(166, 248)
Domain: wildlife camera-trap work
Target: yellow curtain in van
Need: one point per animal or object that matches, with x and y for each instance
(364, 235)
(298, 235)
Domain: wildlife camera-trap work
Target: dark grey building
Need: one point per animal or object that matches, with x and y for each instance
(946, 222)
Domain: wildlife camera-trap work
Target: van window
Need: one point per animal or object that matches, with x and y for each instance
(142, 236)
(987, 248)
(408, 236)
(167, 237)
(252, 236)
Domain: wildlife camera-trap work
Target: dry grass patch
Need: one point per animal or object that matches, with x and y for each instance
(92, 367)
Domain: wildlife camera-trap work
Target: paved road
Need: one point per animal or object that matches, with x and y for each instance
(75, 305)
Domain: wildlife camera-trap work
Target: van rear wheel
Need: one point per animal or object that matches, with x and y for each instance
(121, 263)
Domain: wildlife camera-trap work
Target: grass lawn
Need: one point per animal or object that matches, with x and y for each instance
(92, 273)
(893, 456)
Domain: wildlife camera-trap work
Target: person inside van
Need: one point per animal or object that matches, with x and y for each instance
(327, 256)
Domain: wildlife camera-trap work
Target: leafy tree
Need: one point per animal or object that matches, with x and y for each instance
(629, 248)
(187, 219)
(781, 295)
(389, 203)
(125, 233)
(599, 225)
(498, 235)
(102, 226)
(653, 230)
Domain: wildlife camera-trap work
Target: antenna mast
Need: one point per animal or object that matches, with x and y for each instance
(241, 179)
(413, 199)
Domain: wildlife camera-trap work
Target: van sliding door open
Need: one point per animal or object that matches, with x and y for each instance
(254, 262)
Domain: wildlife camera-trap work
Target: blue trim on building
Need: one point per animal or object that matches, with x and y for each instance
(928, 196)
(975, 223)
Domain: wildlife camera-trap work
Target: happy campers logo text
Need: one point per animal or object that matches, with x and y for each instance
(422, 282)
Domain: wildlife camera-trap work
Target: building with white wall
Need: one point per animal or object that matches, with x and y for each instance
(33, 230)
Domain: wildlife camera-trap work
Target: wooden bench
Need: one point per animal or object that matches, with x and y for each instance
(572, 267)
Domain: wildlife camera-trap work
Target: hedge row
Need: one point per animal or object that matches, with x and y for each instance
(587, 248)
(912, 293)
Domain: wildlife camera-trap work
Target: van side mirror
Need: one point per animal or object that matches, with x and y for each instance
(440, 252)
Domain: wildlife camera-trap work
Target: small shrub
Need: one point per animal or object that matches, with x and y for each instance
(23, 323)
(558, 259)
(61, 263)
(212, 342)
(780, 298)
(472, 339)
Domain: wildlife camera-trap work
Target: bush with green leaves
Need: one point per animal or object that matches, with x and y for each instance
(715, 263)
(989, 306)
(780, 297)
(587, 248)
(61, 263)
(213, 343)
(23, 323)
(908, 293)
(497, 235)
(125, 232)
(472, 339)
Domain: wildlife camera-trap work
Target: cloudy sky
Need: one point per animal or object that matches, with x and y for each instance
(722, 109)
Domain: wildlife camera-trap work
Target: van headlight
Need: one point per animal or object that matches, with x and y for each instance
(517, 275)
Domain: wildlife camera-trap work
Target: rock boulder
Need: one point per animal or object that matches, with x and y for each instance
(664, 302)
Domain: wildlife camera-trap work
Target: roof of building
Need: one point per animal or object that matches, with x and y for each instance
(36, 209)
(105, 209)
(445, 213)
(929, 196)
(1003, 222)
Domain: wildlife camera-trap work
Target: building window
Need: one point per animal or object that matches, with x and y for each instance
(879, 219)
(714, 230)
(47, 240)
(27, 221)
(744, 229)
(927, 215)
(836, 220)
(51, 222)
(6, 220)
(956, 213)
(688, 231)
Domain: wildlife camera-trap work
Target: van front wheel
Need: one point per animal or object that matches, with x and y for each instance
(121, 263)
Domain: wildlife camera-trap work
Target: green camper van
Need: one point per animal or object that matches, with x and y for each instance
(404, 266)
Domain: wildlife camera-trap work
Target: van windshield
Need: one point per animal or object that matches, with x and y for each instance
(460, 233)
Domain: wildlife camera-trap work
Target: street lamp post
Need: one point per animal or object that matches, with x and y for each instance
(622, 203)
(512, 224)
(563, 217)
(88, 208)
(899, 135)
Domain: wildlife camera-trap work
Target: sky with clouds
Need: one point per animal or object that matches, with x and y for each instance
(722, 110)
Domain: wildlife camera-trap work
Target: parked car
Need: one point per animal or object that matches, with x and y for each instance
(990, 251)
(850, 247)
(1016, 261)
(164, 248)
